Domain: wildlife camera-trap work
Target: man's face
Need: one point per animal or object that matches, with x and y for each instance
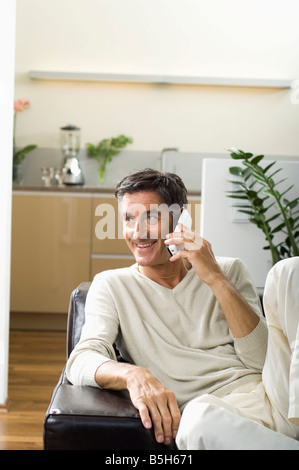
(146, 222)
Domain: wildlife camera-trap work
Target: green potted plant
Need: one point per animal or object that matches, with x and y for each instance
(257, 192)
(105, 150)
(20, 154)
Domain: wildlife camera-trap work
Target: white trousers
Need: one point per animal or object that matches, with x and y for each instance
(263, 414)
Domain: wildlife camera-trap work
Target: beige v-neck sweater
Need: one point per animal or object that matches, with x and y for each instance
(180, 335)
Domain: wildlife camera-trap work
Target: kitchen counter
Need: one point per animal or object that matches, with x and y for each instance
(76, 189)
(63, 189)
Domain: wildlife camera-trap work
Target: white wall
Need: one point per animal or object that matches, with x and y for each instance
(229, 38)
(7, 40)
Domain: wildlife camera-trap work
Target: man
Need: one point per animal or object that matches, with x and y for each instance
(189, 327)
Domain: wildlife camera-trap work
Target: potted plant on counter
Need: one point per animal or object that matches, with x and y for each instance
(105, 150)
(257, 193)
(20, 154)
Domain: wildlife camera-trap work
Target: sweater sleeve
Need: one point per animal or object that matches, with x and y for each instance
(98, 335)
(252, 348)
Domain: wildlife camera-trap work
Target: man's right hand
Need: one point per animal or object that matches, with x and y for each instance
(156, 404)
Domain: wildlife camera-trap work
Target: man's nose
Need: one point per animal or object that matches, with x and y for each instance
(140, 230)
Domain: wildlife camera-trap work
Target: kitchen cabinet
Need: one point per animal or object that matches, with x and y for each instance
(50, 250)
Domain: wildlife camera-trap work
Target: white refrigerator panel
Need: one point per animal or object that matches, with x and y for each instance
(221, 224)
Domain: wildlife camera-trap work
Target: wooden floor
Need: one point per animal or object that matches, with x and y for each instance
(36, 361)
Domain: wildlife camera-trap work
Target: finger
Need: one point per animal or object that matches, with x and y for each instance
(179, 238)
(157, 424)
(180, 254)
(144, 415)
(183, 232)
(170, 417)
(166, 421)
(161, 418)
(167, 426)
(175, 240)
(188, 232)
(176, 415)
(151, 417)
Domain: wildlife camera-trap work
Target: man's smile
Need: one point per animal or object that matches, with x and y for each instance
(145, 245)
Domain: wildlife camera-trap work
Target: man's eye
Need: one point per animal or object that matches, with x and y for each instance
(153, 218)
(128, 219)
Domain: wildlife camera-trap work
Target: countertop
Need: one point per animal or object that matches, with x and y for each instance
(75, 189)
(63, 189)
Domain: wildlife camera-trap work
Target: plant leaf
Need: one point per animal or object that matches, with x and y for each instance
(278, 228)
(244, 211)
(282, 194)
(236, 170)
(291, 204)
(237, 197)
(257, 159)
(268, 167)
(273, 217)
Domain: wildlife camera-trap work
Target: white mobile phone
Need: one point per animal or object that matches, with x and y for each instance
(185, 219)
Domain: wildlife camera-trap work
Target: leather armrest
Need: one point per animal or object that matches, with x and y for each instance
(89, 418)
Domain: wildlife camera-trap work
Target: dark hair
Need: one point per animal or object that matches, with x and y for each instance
(169, 186)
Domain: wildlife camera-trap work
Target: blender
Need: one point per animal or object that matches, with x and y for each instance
(70, 147)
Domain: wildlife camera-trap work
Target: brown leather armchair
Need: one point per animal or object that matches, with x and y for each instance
(88, 418)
